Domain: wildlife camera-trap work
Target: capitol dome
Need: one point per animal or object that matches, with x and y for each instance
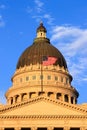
(41, 71)
(40, 47)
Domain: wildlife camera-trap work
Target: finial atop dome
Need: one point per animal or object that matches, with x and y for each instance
(41, 31)
(41, 22)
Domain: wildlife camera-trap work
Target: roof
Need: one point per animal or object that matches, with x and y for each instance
(40, 47)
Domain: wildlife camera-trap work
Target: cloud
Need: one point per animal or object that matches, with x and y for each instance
(38, 12)
(39, 5)
(2, 6)
(2, 23)
(49, 18)
(72, 42)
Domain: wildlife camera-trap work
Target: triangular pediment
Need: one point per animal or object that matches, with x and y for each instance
(43, 106)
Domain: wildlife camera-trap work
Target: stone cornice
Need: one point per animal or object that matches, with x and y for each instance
(46, 99)
(59, 117)
(37, 67)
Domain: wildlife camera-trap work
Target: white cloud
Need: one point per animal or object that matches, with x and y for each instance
(29, 9)
(38, 12)
(39, 5)
(49, 18)
(2, 23)
(2, 6)
(72, 42)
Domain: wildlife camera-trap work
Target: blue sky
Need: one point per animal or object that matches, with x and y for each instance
(66, 23)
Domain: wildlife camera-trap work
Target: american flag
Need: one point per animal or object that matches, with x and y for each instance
(48, 60)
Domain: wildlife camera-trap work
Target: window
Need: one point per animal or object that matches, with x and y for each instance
(56, 78)
(42, 129)
(49, 77)
(9, 128)
(66, 98)
(27, 78)
(72, 100)
(41, 76)
(59, 96)
(34, 77)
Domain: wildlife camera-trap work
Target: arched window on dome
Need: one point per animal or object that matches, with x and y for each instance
(72, 100)
(59, 96)
(16, 98)
(11, 100)
(66, 98)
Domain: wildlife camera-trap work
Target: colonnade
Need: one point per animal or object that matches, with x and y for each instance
(26, 96)
(45, 128)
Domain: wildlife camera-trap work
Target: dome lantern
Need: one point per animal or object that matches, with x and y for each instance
(41, 31)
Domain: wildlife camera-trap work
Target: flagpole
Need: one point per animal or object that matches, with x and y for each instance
(41, 74)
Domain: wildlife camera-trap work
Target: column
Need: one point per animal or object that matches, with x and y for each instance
(50, 128)
(82, 128)
(74, 100)
(2, 128)
(66, 128)
(69, 98)
(17, 128)
(33, 128)
(63, 98)
(14, 100)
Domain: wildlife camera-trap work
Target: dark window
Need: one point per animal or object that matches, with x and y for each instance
(49, 77)
(11, 100)
(27, 78)
(42, 129)
(41, 76)
(25, 128)
(66, 98)
(75, 128)
(59, 128)
(72, 100)
(34, 77)
(9, 129)
(56, 78)
(58, 95)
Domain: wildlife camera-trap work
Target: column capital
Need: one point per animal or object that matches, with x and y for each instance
(66, 128)
(2, 128)
(17, 128)
(50, 128)
(82, 128)
(33, 128)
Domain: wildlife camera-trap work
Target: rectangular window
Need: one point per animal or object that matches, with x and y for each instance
(56, 78)
(34, 77)
(27, 78)
(49, 77)
(41, 76)
(58, 128)
(42, 129)
(75, 128)
(9, 129)
(25, 128)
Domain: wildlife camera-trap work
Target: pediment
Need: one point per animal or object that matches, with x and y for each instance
(44, 106)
